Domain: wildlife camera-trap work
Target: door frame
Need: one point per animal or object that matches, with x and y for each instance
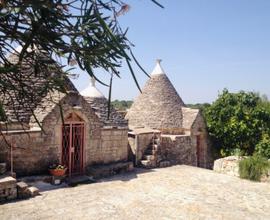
(71, 148)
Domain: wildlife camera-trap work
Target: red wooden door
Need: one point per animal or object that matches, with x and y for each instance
(73, 147)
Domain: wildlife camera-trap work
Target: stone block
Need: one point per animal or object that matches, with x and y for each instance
(8, 190)
(32, 191)
(7, 181)
(21, 186)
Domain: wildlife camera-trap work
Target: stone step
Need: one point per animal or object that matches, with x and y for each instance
(148, 164)
(21, 186)
(155, 147)
(22, 190)
(149, 157)
(32, 191)
(164, 163)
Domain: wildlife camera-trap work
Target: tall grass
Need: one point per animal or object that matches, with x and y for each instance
(253, 168)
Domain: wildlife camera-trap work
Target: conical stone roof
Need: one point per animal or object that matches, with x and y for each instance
(99, 104)
(158, 106)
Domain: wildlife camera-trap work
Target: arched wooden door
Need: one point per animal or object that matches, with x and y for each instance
(73, 131)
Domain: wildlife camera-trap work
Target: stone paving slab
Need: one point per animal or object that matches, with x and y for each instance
(179, 192)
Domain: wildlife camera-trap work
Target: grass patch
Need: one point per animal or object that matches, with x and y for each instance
(253, 168)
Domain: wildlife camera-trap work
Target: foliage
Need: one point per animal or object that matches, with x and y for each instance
(253, 168)
(121, 105)
(57, 167)
(263, 147)
(84, 33)
(237, 121)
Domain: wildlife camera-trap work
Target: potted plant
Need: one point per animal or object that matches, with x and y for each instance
(57, 170)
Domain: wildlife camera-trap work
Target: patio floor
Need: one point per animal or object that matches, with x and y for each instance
(178, 192)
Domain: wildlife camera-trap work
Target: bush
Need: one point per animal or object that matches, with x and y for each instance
(253, 168)
(263, 147)
(237, 121)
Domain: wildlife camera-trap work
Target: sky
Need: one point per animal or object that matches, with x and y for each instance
(205, 46)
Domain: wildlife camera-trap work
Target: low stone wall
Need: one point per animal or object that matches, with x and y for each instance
(230, 166)
(227, 165)
(32, 154)
(35, 151)
(178, 149)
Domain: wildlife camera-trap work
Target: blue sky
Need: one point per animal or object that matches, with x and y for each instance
(205, 45)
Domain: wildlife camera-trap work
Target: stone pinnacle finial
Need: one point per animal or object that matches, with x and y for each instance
(91, 90)
(93, 81)
(158, 69)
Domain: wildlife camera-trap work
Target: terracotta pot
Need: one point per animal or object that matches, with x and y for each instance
(58, 172)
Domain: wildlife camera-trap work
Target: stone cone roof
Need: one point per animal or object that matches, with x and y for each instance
(158, 106)
(99, 104)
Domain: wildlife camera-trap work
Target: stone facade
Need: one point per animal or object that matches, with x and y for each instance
(184, 138)
(35, 150)
(178, 149)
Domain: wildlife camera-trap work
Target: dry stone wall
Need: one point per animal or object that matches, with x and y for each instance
(111, 147)
(33, 152)
(228, 165)
(178, 149)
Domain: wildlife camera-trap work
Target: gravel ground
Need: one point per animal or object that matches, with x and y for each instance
(178, 192)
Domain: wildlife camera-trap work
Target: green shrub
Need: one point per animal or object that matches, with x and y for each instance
(263, 147)
(253, 168)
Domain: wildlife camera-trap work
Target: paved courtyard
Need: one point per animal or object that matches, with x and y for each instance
(179, 192)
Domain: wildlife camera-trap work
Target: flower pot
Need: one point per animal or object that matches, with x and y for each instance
(58, 172)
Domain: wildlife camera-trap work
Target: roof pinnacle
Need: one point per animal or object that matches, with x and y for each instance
(158, 69)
